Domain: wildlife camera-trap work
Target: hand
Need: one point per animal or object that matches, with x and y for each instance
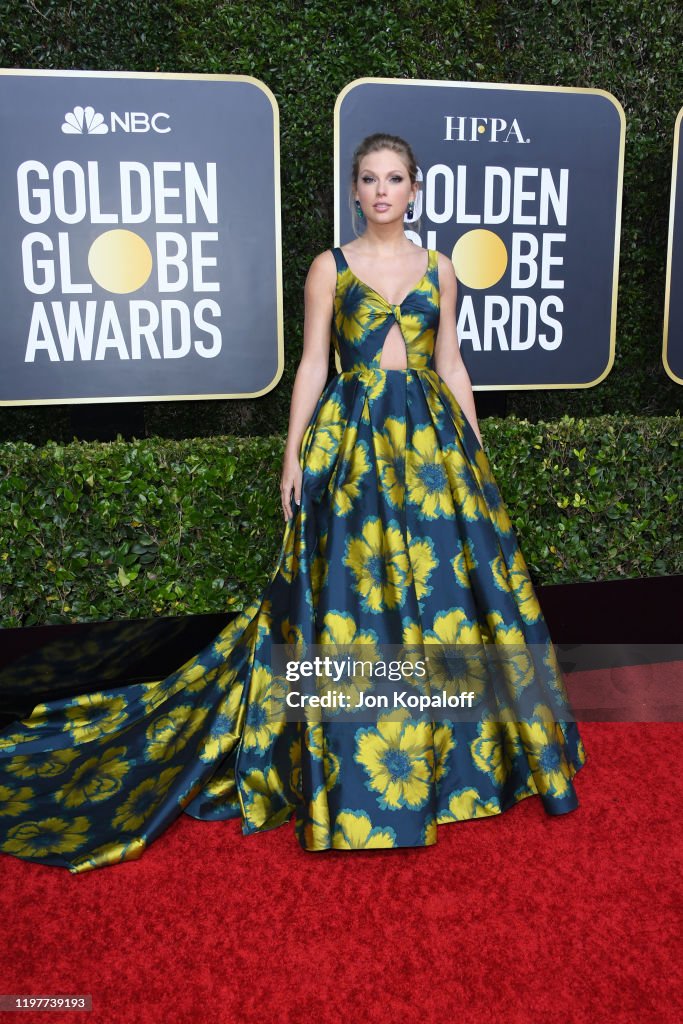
(290, 481)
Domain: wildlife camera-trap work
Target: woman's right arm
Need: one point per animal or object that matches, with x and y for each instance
(311, 375)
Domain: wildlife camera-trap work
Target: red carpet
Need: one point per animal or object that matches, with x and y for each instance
(517, 919)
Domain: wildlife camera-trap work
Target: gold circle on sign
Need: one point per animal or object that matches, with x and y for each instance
(120, 261)
(480, 258)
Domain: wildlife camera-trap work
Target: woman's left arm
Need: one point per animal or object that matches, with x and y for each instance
(447, 357)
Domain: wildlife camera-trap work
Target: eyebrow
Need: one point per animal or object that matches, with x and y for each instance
(366, 170)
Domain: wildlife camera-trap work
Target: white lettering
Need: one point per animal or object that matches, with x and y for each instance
(439, 171)
(169, 259)
(461, 215)
(30, 264)
(140, 330)
(111, 334)
(154, 120)
(163, 192)
(520, 196)
(96, 215)
(521, 259)
(551, 302)
(183, 314)
(41, 214)
(491, 175)
(129, 215)
(210, 306)
(68, 182)
(199, 261)
(40, 336)
(77, 330)
(206, 194)
(68, 286)
(548, 261)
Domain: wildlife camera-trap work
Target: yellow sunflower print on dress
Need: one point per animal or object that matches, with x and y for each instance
(380, 565)
(400, 548)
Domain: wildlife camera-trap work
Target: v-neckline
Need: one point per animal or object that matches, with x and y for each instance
(392, 305)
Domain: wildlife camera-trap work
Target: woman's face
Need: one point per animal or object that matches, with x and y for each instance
(384, 187)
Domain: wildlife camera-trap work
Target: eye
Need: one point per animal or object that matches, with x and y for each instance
(367, 179)
(397, 177)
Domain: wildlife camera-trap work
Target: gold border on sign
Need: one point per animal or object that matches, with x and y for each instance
(529, 88)
(670, 249)
(27, 72)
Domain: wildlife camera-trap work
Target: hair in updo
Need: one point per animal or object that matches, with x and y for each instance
(372, 144)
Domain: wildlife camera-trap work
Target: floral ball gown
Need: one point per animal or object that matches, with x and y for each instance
(401, 539)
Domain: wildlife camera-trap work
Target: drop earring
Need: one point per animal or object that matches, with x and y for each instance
(410, 211)
(359, 210)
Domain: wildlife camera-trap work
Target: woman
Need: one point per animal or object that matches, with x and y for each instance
(385, 187)
(396, 542)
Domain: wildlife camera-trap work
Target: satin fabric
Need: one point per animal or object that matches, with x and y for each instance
(401, 537)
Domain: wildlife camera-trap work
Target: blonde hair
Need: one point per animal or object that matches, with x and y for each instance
(373, 144)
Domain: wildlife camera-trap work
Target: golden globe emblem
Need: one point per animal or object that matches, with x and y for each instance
(120, 261)
(479, 258)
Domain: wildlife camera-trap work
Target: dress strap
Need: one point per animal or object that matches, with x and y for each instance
(340, 259)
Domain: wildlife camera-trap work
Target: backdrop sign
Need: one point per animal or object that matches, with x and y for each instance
(672, 353)
(521, 187)
(140, 228)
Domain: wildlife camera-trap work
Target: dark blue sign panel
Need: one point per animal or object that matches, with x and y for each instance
(140, 237)
(672, 352)
(521, 186)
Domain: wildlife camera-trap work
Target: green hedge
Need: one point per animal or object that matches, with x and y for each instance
(93, 531)
(306, 52)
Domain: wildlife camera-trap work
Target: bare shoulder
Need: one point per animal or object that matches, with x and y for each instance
(321, 280)
(445, 265)
(447, 279)
(323, 265)
(322, 272)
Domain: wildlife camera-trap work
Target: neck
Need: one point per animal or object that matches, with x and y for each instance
(386, 239)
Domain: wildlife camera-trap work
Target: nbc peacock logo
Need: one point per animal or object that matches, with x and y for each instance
(84, 121)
